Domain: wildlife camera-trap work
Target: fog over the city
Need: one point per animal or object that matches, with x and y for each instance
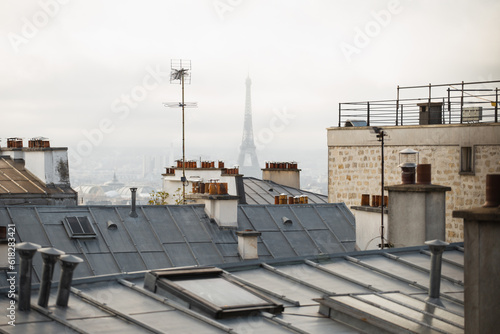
(92, 75)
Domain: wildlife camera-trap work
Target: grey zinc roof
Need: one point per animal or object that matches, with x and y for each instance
(174, 235)
(374, 286)
(259, 191)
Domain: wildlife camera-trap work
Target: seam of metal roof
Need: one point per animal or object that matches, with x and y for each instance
(263, 241)
(305, 230)
(279, 229)
(256, 193)
(261, 289)
(105, 241)
(339, 275)
(122, 316)
(156, 235)
(39, 219)
(385, 296)
(130, 237)
(397, 277)
(420, 268)
(175, 306)
(183, 235)
(295, 279)
(426, 252)
(210, 237)
(57, 319)
(282, 323)
(328, 227)
(399, 314)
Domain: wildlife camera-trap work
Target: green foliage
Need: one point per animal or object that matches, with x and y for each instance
(178, 197)
(158, 198)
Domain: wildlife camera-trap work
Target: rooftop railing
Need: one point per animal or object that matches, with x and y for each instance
(471, 102)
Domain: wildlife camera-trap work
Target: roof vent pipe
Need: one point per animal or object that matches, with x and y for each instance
(68, 265)
(133, 213)
(437, 248)
(49, 256)
(26, 251)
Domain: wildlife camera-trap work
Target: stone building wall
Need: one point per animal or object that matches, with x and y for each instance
(355, 170)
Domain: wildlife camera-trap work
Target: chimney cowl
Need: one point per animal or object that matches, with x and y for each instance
(26, 251)
(50, 255)
(133, 212)
(68, 265)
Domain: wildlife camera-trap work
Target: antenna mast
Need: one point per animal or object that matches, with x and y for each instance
(180, 72)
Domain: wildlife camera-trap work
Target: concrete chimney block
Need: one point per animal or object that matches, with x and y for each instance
(481, 268)
(247, 244)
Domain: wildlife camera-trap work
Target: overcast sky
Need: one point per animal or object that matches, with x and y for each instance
(93, 74)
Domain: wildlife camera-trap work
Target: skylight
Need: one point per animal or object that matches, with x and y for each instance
(79, 227)
(210, 291)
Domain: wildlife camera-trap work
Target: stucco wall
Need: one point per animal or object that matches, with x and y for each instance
(354, 163)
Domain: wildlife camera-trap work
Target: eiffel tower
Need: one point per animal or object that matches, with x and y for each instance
(247, 159)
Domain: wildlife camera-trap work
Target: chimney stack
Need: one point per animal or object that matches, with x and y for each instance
(284, 173)
(416, 212)
(68, 265)
(50, 256)
(437, 248)
(133, 213)
(482, 262)
(247, 244)
(26, 252)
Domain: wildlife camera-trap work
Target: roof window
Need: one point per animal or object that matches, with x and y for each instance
(210, 291)
(79, 227)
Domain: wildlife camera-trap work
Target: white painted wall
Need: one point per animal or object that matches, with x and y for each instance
(368, 229)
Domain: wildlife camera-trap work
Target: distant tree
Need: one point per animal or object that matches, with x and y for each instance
(178, 197)
(158, 198)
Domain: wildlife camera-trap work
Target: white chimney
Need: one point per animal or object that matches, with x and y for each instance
(247, 244)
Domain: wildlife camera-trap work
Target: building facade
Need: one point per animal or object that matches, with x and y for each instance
(461, 156)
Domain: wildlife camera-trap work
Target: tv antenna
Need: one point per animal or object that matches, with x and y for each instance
(180, 73)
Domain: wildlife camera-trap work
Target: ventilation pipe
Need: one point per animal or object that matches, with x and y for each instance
(133, 213)
(49, 256)
(68, 265)
(437, 248)
(26, 251)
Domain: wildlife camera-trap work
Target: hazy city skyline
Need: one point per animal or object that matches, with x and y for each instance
(90, 75)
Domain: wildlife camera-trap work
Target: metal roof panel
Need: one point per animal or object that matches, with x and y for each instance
(139, 230)
(162, 222)
(180, 254)
(156, 260)
(189, 223)
(102, 264)
(129, 262)
(207, 253)
(118, 239)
